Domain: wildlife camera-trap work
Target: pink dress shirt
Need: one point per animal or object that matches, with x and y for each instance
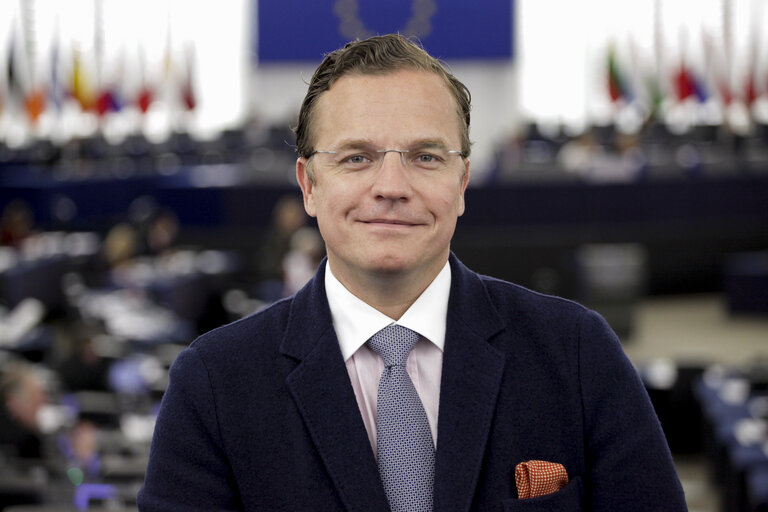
(355, 322)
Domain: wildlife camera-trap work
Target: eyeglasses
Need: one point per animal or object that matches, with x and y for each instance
(431, 158)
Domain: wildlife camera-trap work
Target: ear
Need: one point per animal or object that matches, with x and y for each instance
(464, 183)
(307, 186)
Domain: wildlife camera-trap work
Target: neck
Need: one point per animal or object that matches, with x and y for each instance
(391, 293)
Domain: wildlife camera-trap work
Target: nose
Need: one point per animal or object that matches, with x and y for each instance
(392, 180)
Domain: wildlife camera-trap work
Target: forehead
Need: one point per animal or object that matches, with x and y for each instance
(392, 109)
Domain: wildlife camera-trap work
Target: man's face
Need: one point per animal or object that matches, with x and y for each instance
(389, 218)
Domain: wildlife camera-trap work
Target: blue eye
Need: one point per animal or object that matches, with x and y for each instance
(428, 161)
(355, 159)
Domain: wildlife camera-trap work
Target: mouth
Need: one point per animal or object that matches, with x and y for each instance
(389, 222)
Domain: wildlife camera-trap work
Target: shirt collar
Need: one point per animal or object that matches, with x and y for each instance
(355, 321)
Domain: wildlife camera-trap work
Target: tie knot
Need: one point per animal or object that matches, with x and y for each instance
(393, 343)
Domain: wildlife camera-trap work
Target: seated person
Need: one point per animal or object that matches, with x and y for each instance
(23, 395)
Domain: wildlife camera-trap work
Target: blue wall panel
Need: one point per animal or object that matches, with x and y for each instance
(304, 30)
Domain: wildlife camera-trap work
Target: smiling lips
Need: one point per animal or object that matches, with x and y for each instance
(390, 222)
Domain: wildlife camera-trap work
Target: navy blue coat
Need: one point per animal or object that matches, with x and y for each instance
(260, 414)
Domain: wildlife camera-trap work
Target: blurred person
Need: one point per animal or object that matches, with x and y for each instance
(120, 245)
(162, 233)
(23, 396)
(82, 368)
(631, 156)
(579, 154)
(84, 441)
(509, 156)
(397, 378)
(80, 447)
(16, 223)
(587, 158)
(287, 217)
(118, 250)
(300, 264)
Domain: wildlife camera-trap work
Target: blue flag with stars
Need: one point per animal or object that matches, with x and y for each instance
(305, 30)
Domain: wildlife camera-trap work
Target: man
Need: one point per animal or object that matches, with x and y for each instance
(22, 396)
(521, 401)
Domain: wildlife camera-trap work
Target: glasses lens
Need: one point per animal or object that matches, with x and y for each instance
(433, 159)
(429, 159)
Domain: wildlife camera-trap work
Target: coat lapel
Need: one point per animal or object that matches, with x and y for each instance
(471, 376)
(324, 396)
(472, 371)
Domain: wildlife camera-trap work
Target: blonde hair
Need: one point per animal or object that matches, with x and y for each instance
(376, 55)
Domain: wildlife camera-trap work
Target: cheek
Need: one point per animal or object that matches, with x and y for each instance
(334, 198)
(331, 213)
(326, 205)
(447, 200)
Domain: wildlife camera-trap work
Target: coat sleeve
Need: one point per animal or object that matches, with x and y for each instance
(628, 463)
(188, 468)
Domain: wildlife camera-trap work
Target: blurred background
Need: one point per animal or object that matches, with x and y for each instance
(147, 195)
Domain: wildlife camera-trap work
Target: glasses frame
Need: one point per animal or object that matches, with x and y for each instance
(402, 153)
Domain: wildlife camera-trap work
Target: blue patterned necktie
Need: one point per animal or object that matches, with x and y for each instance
(406, 452)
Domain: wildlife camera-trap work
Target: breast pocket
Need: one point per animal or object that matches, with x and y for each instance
(567, 499)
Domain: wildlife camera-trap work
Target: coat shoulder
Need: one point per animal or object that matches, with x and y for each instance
(260, 331)
(508, 296)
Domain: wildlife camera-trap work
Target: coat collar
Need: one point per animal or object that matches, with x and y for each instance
(472, 371)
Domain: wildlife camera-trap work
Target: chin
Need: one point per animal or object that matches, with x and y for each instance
(390, 264)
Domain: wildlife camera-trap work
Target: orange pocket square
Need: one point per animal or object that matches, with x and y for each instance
(538, 478)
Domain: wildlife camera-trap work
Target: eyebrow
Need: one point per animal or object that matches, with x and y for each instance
(428, 144)
(355, 144)
(369, 144)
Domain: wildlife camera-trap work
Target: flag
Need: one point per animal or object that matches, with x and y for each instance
(80, 88)
(107, 101)
(56, 91)
(110, 98)
(700, 90)
(617, 83)
(20, 90)
(34, 104)
(684, 85)
(765, 84)
(715, 65)
(724, 90)
(750, 93)
(750, 89)
(145, 98)
(146, 94)
(14, 73)
(188, 96)
(655, 96)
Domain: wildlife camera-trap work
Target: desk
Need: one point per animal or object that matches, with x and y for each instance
(39, 279)
(735, 440)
